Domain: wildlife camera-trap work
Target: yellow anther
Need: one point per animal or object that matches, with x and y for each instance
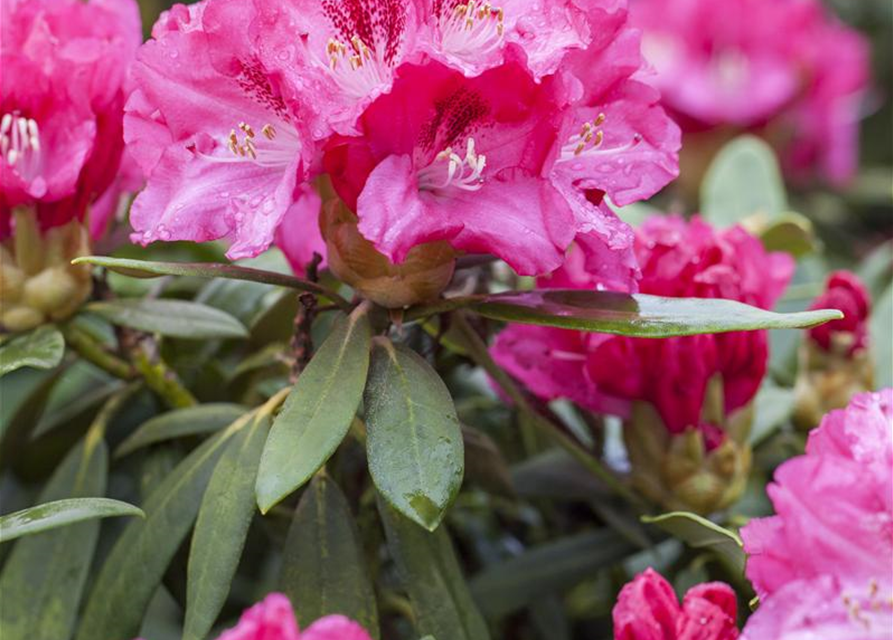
(269, 131)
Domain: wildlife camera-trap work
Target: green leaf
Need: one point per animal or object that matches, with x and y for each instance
(550, 568)
(42, 348)
(414, 445)
(172, 318)
(146, 269)
(882, 339)
(134, 568)
(640, 315)
(323, 568)
(43, 580)
(790, 232)
(221, 528)
(742, 181)
(318, 412)
(701, 533)
(61, 513)
(772, 407)
(427, 564)
(191, 421)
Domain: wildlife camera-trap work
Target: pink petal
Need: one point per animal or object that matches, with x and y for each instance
(335, 628)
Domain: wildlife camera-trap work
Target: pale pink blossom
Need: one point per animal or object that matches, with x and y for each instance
(647, 609)
(834, 505)
(65, 67)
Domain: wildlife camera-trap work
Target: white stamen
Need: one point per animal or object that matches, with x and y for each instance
(468, 31)
(20, 145)
(465, 174)
(358, 69)
(278, 147)
(589, 142)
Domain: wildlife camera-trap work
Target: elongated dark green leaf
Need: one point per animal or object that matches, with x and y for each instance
(173, 318)
(192, 421)
(43, 580)
(548, 569)
(700, 533)
(323, 569)
(415, 449)
(221, 528)
(136, 564)
(317, 413)
(743, 180)
(640, 315)
(61, 513)
(146, 269)
(427, 563)
(42, 348)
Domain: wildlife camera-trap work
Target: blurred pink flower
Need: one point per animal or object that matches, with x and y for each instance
(846, 292)
(647, 609)
(834, 505)
(606, 373)
(65, 66)
(724, 64)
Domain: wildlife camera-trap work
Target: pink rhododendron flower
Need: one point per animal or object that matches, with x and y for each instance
(647, 609)
(475, 135)
(823, 566)
(605, 373)
(218, 134)
(274, 619)
(65, 65)
(723, 64)
(823, 608)
(846, 292)
(834, 505)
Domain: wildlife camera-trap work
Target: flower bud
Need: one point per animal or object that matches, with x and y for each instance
(38, 283)
(835, 363)
(424, 274)
(702, 469)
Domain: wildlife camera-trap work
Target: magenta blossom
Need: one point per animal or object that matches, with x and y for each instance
(846, 292)
(274, 619)
(723, 64)
(65, 65)
(606, 373)
(647, 609)
(823, 566)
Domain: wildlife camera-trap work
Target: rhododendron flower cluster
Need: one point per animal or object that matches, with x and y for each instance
(647, 609)
(496, 129)
(823, 566)
(698, 387)
(835, 359)
(65, 71)
(786, 69)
